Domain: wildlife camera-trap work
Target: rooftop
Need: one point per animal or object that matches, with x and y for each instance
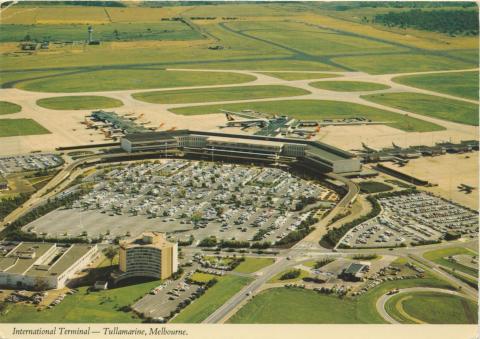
(55, 263)
(153, 136)
(354, 268)
(243, 141)
(69, 257)
(22, 264)
(150, 239)
(318, 148)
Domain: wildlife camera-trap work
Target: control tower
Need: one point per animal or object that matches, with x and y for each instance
(90, 33)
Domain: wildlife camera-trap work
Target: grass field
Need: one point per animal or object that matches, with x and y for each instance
(276, 278)
(273, 36)
(348, 86)
(374, 187)
(17, 127)
(83, 307)
(439, 256)
(219, 94)
(214, 297)
(462, 84)
(299, 75)
(9, 107)
(284, 305)
(110, 80)
(437, 107)
(365, 304)
(295, 306)
(165, 30)
(467, 279)
(399, 183)
(414, 38)
(251, 265)
(448, 309)
(401, 63)
(79, 102)
(319, 109)
(17, 76)
(312, 41)
(276, 64)
(202, 277)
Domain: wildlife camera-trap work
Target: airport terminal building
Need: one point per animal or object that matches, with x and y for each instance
(32, 265)
(314, 154)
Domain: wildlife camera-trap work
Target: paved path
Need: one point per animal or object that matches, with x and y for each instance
(238, 298)
(380, 305)
(65, 128)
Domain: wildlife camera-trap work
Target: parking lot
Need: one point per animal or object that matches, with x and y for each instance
(165, 299)
(184, 198)
(30, 162)
(414, 218)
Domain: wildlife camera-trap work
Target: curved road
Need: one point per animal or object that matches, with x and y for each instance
(380, 305)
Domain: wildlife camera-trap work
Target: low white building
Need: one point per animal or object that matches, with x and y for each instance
(33, 265)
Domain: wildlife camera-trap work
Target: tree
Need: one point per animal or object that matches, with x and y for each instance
(110, 252)
(197, 216)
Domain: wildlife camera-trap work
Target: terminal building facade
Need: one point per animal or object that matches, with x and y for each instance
(148, 255)
(314, 154)
(44, 265)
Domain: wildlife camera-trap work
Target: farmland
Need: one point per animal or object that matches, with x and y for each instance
(447, 109)
(462, 84)
(130, 79)
(348, 86)
(9, 108)
(16, 127)
(262, 39)
(79, 102)
(218, 94)
(318, 109)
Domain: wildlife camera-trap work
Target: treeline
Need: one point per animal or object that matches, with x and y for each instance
(187, 242)
(75, 3)
(348, 5)
(444, 21)
(7, 206)
(214, 242)
(334, 235)
(178, 3)
(14, 232)
(301, 232)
